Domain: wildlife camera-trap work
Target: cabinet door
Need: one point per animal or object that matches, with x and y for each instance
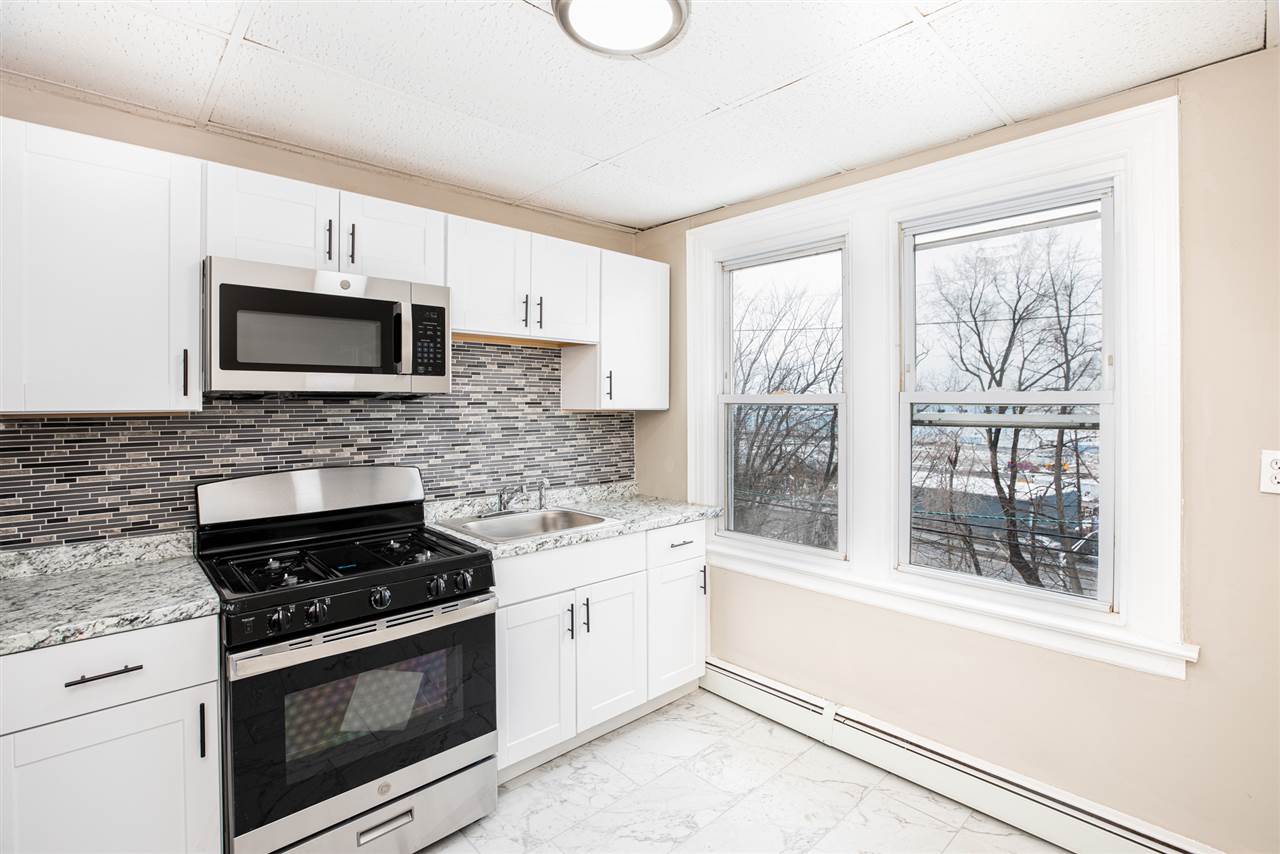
(634, 332)
(487, 268)
(133, 778)
(611, 649)
(564, 289)
(677, 624)
(535, 653)
(391, 240)
(258, 217)
(100, 278)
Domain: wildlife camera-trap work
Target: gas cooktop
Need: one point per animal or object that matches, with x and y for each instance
(282, 573)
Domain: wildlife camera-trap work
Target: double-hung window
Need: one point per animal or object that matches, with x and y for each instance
(1006, 405)
(782, 398)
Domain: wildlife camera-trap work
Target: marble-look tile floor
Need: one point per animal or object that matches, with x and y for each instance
(703, 774)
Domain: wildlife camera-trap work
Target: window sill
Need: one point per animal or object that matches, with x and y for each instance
(1082, 635)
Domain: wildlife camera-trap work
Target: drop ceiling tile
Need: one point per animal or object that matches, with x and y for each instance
(217, 15)
(726, 158)
(894, 96)
(606, 192)
(504, 62)
(1036, 58)
(735, 48)
(269, 95)
(112, 49)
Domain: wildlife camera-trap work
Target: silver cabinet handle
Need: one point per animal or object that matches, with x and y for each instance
(586, 606)
(367, 836)
(186, 361)
(539, 312)
(682, 543)
(609, 377)
(572, 619)
(526, 311)
(353, 243)
(704, 579)
(202, 750)
(128, 668)
(328, 241)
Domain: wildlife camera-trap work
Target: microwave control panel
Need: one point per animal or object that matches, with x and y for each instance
(429, 341)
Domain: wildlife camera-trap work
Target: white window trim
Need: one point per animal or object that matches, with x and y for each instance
(1103, 398)
(1136, 150)
(839, 401)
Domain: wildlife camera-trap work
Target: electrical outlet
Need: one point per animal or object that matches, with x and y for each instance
(1269, 477)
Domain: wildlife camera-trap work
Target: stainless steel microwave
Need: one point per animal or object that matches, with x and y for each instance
(270, 328)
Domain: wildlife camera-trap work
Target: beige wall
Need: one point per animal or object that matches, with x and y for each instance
(1201, 756)
(20, 100)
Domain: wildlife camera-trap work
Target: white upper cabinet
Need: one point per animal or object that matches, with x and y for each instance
(391, 240)
(564, 290)
(257, 217)
(629, 368)
(488, 274)
(100, 276)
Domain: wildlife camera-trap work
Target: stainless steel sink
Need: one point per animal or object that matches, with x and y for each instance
(518, 524)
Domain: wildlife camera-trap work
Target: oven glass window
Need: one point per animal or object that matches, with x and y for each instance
(272, 338)
(310, 731)
(333, 723)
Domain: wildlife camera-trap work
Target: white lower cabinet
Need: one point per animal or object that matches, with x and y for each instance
(536, 676)
(677, 624)
(569, 661)
(633, 627)
(612, 648)
(141, 777)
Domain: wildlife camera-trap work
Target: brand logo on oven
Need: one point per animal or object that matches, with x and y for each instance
(384, 788)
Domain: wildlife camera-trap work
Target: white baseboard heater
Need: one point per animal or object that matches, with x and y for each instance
(1041, 810)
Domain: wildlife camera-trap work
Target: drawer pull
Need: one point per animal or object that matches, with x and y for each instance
(367, 836)
(128, 668)
(682, 543)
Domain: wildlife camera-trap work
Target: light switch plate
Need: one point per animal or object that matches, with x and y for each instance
(1269, 476)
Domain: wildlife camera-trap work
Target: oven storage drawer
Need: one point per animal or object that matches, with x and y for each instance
(679, 542)
(105, 671)
(416, 820)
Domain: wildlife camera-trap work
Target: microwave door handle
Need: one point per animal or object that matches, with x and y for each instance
(397, 340)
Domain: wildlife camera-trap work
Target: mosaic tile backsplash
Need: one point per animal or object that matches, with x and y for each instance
(78, 479)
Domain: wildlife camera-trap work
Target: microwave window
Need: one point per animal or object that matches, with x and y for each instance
(274, 338)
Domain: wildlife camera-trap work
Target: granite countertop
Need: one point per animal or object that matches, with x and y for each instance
(626, 510)
(55, 596)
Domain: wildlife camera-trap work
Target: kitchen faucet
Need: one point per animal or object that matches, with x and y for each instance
(509, 494)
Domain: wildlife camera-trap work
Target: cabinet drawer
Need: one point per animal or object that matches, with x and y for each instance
(679, 542)
(33, 687)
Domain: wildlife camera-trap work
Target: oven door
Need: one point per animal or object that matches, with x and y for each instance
(273, 328)
(327, 727)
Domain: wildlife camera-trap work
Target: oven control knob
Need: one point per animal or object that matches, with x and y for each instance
(462, 580)
(317, 612)
(380, 597)
(276, 621)
(436, 586)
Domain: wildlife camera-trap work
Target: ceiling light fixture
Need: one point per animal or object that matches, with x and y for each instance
(621, 27)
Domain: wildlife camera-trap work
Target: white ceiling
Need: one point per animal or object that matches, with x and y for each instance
(755, 97)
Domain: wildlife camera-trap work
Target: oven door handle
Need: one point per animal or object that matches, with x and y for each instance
(254, 662)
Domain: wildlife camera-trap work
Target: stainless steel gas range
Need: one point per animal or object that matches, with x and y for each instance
(358, 672)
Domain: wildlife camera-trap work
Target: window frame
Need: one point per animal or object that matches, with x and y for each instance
(1104, 398)
(1136, 149)
(727, 397)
